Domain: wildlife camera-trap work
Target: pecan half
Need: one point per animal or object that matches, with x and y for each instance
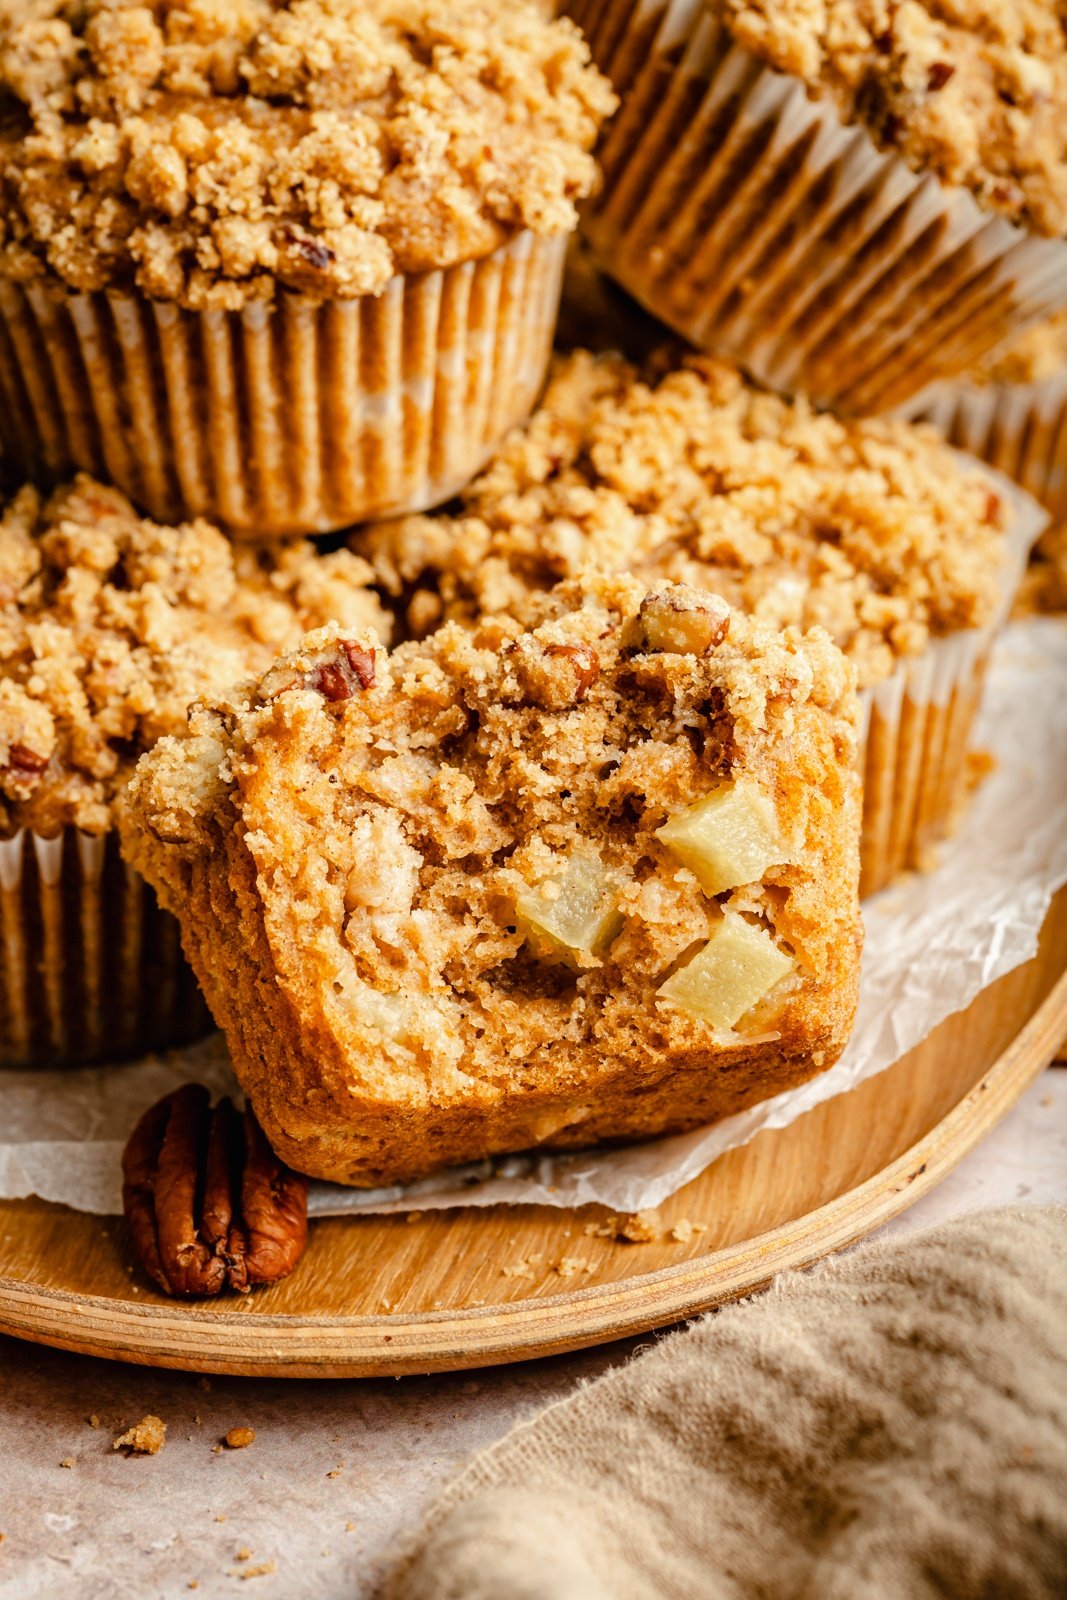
(208, 1203)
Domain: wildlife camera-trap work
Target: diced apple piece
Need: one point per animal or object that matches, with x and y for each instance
(728, 839)
(738, 966)
(574, 914)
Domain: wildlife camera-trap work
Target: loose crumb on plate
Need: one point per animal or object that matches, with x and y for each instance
(684, 1230)
(145, 1438)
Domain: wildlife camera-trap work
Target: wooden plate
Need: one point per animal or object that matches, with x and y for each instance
(470, 1288)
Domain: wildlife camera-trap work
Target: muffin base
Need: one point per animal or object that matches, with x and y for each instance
(751, 220)
(91, 967)
(289, 418)
(1019, 428)
(917, 728)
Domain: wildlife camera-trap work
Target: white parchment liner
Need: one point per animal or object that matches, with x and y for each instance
(294, 417)
(89, 963)
(933, 942)
(1019, 428)
(749, 218)
(917, 724)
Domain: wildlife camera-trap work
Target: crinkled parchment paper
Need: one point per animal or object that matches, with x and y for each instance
(933, 943)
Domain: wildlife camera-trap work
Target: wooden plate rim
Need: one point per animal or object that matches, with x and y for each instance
(283, 1345)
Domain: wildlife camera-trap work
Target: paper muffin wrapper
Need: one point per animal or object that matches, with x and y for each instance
(91, 967)
(917, 724)
(1019, 428)
(752, 220)
(293, 417)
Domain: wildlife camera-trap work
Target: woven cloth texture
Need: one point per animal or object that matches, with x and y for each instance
(890, 1424)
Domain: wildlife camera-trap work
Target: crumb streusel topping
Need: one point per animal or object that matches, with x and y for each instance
(206, 151)
(110, 626)
(975, 90)
(688, 472)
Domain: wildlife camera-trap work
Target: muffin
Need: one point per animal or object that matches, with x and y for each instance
(591, 880)
(907, 553)
(853, 199)
(1012, 411)
(109, 627)
(284, 263)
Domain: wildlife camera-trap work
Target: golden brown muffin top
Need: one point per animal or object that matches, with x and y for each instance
(686, 471)
(975, 90)
(111, 625)
(205, 151)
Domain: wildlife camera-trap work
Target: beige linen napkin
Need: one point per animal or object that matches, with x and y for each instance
(888, 1426)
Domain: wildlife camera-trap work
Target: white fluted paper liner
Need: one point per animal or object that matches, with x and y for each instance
(89, 963)
(1019, 428)
(742, 212)
(917, 724)
(293, 417)
(933, 942)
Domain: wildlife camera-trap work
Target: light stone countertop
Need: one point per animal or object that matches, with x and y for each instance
(337, 1469)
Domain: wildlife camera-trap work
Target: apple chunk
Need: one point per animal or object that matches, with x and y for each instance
(727, 839)
(575, 914)
(738, 966)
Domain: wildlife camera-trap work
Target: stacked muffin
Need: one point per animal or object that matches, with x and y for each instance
(552, 830)
(275, 266)
(853, 199)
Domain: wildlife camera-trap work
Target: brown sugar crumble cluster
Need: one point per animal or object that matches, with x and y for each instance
(111, 625)
(505, 888)
(686, 471)
(207, 151)
(975, 90)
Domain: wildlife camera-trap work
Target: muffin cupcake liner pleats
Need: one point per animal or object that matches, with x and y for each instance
(917, 726)
(1019, 428)
(282, 418)
(91, 967)
(751, 220)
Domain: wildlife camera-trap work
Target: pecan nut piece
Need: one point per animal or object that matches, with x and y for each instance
(208, 1203)
(555, 676)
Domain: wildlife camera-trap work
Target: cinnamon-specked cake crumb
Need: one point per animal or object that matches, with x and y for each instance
(641, 1228)
(110, 625)
(525, 1267)
(145, 1438)
(207, 153)
(685, 471)
(572, 1267)
(974, 90)
(262, 1569)
(684, 1230)
(503, 888)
